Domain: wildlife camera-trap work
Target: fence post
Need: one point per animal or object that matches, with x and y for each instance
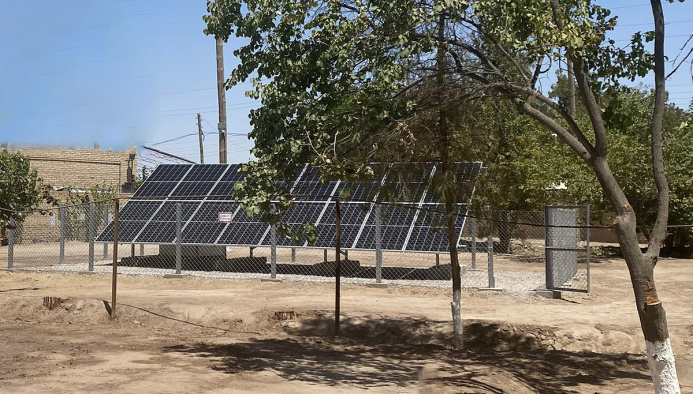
(179, 227)
(63, 232)
(273, 251)
(91, 233)
(293, 255)
(105, 223)
(10, 243)
(491, 274)
(114, 277)
(473, 224)
(378, 248)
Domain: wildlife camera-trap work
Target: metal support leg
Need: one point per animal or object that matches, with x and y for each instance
(378, 247)
(293, 255)
(91, 233)
(325, 255)
(141, 249)
(63, 233)
(473, 224)
(12, 236)
(273, 252)
(491, 275)
(251, 251)
(105, 221)
(179, 227)
(437, 259)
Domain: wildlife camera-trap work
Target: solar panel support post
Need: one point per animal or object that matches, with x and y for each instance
(141, 249)
(293, 255)
(473, 225)
(10, 244)
(378, 248)
(273, 251)
(324, 255)
(179, 227)
(105, 221)
(252, 248)
(132, 250)
(491, 275)
(91, 233)
(437, 259)
(63, 232)
(114, 278)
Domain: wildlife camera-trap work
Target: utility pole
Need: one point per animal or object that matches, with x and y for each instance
(199, 131)
(221, 91)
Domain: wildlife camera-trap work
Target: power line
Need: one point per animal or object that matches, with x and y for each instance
(198, 90)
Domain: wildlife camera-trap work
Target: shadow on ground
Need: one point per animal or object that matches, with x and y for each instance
(364, 363)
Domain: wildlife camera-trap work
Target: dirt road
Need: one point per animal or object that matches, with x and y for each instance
(219, 336)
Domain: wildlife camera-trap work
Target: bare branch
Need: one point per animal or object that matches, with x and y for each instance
(659, 231)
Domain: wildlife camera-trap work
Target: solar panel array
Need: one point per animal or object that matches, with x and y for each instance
(203, 190)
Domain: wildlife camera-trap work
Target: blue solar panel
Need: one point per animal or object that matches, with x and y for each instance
(413, 226)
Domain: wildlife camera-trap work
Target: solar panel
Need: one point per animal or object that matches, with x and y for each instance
(204, 190)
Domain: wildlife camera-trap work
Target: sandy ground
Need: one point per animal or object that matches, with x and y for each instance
(219, 336)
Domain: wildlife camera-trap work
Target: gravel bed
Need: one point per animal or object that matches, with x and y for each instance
(514, 284)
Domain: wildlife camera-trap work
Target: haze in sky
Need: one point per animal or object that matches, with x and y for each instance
(126, 72)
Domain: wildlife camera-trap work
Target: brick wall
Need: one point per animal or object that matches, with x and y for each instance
(82, 168)
(63, 169)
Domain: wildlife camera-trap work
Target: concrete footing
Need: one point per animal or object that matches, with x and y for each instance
(547, 293)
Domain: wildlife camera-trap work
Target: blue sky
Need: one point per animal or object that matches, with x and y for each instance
(126, 72)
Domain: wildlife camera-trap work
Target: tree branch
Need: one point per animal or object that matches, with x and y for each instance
(659, 230)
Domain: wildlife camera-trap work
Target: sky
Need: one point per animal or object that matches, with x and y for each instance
(127, 73)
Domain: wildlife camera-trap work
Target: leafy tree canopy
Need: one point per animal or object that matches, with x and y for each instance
(21, 189)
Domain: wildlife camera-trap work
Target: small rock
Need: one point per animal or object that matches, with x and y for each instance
(79, 305)
(136, 322)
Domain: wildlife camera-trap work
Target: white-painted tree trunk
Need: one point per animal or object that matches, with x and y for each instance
(663, 367)
(457, 326)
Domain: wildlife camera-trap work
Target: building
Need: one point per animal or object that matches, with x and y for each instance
(77, 169)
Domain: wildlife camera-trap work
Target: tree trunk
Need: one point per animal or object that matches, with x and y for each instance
(653, 321)
(505, 232)
(457, 326)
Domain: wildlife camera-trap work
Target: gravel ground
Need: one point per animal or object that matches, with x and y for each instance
(515, 284)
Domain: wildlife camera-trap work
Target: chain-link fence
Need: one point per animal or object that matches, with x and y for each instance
(402, 244)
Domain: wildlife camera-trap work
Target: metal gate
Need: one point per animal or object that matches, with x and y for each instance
(567, 247)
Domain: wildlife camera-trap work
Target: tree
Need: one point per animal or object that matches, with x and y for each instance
(336, 77)
(21, 189)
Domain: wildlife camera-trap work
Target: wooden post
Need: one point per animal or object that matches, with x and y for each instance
(201, 137)
(114, 279)
(338, 268)
(221, 91)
